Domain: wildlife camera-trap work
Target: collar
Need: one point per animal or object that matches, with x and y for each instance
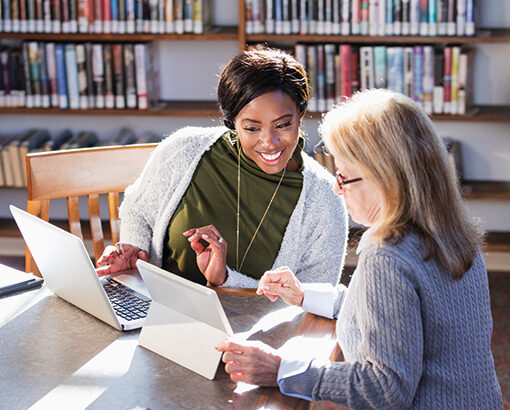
(365, 240)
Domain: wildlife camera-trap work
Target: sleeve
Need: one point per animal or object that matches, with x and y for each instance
(324, 242)
(239, 280)
(390, 325)
(323, 299)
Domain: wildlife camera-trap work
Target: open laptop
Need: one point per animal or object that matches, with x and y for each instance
(69, 273)
(185, 321)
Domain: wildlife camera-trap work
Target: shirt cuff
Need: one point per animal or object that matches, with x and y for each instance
(289, 381)
(319, 298)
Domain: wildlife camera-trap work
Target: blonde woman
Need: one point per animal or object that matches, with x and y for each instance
(415, 323)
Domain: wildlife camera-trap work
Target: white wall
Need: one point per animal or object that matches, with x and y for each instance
(189, 70)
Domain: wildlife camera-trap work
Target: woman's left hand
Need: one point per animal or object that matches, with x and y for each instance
(250, 362)
(212, 259)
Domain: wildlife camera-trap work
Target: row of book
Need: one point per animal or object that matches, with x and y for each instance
(439, 79)
(361, 17)
(14, 148)
(452, 146)
(78, 76)
(105, 16)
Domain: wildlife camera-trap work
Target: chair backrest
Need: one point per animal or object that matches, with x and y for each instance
(86, 172)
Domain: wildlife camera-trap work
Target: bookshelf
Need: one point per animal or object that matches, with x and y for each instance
(228, 36)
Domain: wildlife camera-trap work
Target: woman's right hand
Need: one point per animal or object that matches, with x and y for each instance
(281, 282)
(119, 258)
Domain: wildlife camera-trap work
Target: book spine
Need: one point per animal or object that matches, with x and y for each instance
(320, 17)
(5, 78)
(454, 80)
(64, 15)
(131, 16)
(465, 92)
(397, 17)
(336, 17)
(141, 77)
(161, 17)
(63, 100)
(407, 18)
(45, 86)
(364, 17)
(451, 27)
(346, 70)
(83, 17)
(311, 63)
(356, 17)
(447, 80)
(428, 78)
(55, 16)
(139, 16)
(438, 93)
(107, 16)
(380, 66)
(6, 14)
(121, 17)
(18, 78)
(188, 16)
(328, 17)
(300, 53)
(35, 74)
(461, 18)
(108, 76)
(257, 16)
(114, 15)
(373, 17)
(381, 19)
(90, 75)
(72, 76)
(355, 71)
(470, 18)
(441, 17)
(396, 69)
(338, 78)
(389, 18)
(278, 6)
(424, 18)
(73, 16)
(15, 16)
(118, 75)
(98, 16)
(303, 16)
(146, 16)
(129, 69)
(48, 21)
(408, 72)
(98, 74)
(418, 74)
(329, 54)
(270, 27)
(82, 76)
(345, 25)
(367, 67)
(294, 7)
(153, 16)
(29, 99)
(22, 13)
(432, 18)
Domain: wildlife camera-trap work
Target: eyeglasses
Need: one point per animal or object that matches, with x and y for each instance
(341, 181)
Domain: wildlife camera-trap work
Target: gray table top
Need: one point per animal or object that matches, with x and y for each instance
(53, 354)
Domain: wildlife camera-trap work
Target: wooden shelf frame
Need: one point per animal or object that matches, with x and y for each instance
(221, 33)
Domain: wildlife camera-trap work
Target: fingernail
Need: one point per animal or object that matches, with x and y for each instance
(205, 236)
(266, 287)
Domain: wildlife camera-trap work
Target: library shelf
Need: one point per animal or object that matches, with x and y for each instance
(498, 190)
(217, 33)
(483, 36)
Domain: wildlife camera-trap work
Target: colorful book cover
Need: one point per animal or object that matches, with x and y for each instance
(15, 16)
(465, 92)
(389, 18)
(188, 16)
(114, 15)
(6, 16)
(72, 76)
(35, 73)
(424, 18)
(447, 80)
(432, 18)
(455, 79)
(107, 16)
(470, 18)
(63, 101)
(364, 17)
(179, 16)
(83, 16)
(395, 57)
(347, 69)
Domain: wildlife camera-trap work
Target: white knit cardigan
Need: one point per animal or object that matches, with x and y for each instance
(314, 242)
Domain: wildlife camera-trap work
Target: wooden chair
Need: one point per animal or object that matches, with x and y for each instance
(83, 172)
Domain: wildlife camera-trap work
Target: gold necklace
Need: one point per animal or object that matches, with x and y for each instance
(239, 266)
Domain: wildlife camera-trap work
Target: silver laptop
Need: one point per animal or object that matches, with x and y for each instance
(185, 321)
(69, 273)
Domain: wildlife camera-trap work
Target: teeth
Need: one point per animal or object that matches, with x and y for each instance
(271, 157)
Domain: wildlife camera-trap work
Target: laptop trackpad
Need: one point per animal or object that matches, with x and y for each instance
(132, 279)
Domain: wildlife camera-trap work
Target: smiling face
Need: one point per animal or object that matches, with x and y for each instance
(362, 200)
(268, 130)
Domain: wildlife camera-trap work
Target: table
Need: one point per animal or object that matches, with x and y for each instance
(55, 355)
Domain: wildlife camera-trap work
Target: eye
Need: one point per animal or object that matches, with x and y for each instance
(251, 129)
(284, 125)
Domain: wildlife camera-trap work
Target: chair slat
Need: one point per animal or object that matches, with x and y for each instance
(113, 209)
(95, 226)
(73, 211)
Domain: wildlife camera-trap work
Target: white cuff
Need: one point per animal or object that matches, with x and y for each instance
(319, 299)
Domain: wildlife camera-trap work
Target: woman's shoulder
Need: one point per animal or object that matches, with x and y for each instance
(406, 251)
(192, 136)
(313, 170)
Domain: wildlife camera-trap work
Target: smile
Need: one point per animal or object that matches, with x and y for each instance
(271, 157)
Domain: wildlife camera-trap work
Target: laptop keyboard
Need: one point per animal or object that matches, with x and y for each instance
(127, 303)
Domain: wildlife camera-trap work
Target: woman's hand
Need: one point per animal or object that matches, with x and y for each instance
(116, 259)
(250, 362)
(212, 259)
(281, 282)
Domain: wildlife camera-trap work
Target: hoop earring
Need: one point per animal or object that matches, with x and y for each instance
(233, 137)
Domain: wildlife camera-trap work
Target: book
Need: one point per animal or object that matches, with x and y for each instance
(35, 74)
(98, 16)
(8, 177)
(109, 96)
(454, 79)
(345, 24)
(442, 10)
(461, 17)
(47, 17)
(380, 66)
(153, 16)
(31, 19)
(373, 17)
(82, 76)
(424, 18)
(328, 18)
(98, 74)
(470, 18)
(381, 17)
(73, 16)
(364, 17)
(410, 17)
(418, 75)
(45, 87)
(15, 158)
(311, 64)
(447, 80)
(408, 71)
(389, 18)
(114, 15)
(395, 57)
(83, 15)
(17, 78)
(33, 143)
(64, 16)
(329, 57)
(179, 16)
(321, 79)
(397, 17)
(52, 73)
(29, 99)
(294, 15)
(91, 102)
(131, 16)
(5, 78)
(356, 17)
(428, 78)
(121, 17)
(188, 15)
(72, 76)
(141, 76)
(118, 75)
(465, 91)
(129, 70)
(432, 20)
(346, 71)
(366, 67)
(15, 17)
(56, 142)
(355, 72)
(270, 21)
(438, 92)
(451, 26)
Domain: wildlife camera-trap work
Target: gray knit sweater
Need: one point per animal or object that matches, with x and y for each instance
(317, 228)
(412, 337)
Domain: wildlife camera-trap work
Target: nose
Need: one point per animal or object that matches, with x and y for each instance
(269, 138)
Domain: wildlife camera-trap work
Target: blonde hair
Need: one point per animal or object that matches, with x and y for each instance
(393, 143)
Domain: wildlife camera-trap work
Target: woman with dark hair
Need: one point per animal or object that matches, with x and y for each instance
(249, 185)
(415, 322)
